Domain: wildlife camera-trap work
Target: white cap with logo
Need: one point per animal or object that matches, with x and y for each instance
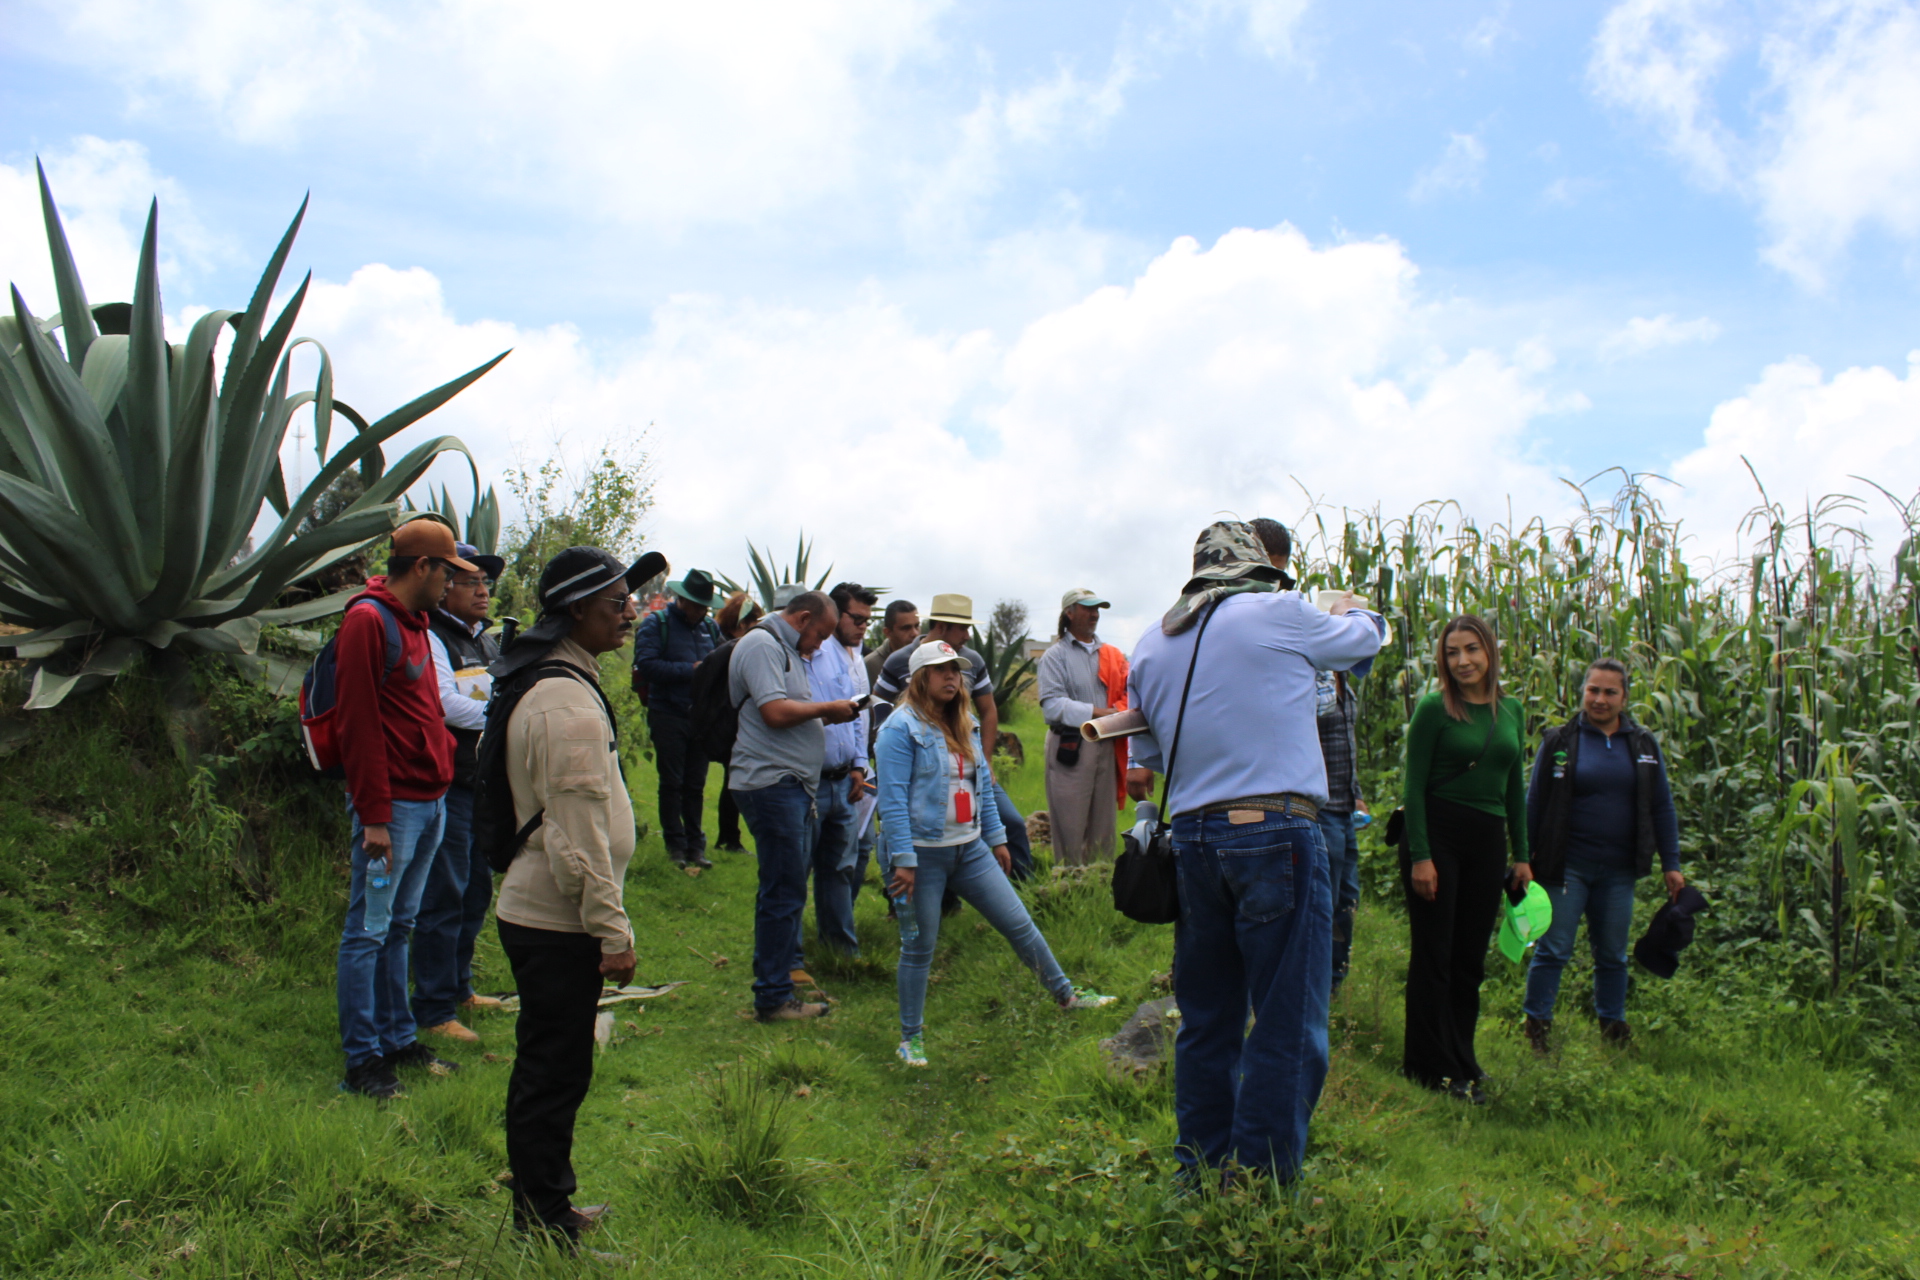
(931, 653)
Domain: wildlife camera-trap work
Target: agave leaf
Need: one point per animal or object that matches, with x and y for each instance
(76, 318)
(91, 480)
(24, 607)
(240, 472)
(409, 469)
(22, 456)
(308, 610)
(147, 413)
(247, 327)
(105, 374)
(236, 635)
(352, 528)
(47, 641)
(110, 659)
(65, 551)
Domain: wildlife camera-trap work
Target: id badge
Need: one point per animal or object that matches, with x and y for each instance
(962, 807)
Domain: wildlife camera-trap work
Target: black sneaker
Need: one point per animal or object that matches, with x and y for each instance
(374, 1079)
(698, 858)
(676, 855)
(418, 1055)
(730, 846)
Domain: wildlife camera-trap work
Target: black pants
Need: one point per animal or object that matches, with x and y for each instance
(558, 978)
(683, 780)
(729, 812)
(1447, 960)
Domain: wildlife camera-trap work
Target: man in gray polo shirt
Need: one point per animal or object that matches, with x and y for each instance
(775, 769)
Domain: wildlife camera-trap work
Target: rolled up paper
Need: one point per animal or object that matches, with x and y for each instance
(1121, 724)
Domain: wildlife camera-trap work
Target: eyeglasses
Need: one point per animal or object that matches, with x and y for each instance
(864, 619)
(472, 584)
(619, 602)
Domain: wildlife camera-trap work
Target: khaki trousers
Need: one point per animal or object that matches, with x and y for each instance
(1080, 804)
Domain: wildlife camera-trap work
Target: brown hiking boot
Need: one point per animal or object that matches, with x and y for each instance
(792, 1011)
(1614, 1031)
(1537, 1030)
(477, 1003)
(452, 1029)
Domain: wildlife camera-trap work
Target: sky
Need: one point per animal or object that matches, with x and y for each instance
(1008, 298)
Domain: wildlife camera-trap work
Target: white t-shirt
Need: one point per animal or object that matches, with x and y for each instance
(961, 799)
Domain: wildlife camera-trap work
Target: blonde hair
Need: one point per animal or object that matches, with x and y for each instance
(955, 719)
(1450, 692)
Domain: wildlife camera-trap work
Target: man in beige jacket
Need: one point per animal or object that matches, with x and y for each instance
(563, 921)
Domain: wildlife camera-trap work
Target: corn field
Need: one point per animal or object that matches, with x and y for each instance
(1783, 688)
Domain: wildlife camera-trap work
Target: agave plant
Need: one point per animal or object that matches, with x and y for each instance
(481, 527)
(131, 476)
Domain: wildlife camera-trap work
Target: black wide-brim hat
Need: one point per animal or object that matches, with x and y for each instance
(1669, 933)
(579, 572)
(573, 575)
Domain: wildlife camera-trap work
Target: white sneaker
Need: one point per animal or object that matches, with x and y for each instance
(912, 1052)
(1086, 998)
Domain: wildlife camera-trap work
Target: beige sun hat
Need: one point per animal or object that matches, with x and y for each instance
(949, 607)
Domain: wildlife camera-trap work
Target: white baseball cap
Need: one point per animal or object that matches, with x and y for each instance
(931, 653)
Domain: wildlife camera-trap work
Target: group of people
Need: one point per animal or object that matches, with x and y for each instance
(1234, 682)
(834, 755)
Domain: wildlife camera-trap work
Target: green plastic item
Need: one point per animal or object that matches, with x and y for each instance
(1522, 926)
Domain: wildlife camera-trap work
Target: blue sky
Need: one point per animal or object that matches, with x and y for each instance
(1533, 241)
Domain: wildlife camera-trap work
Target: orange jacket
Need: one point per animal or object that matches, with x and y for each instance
(1113, 674)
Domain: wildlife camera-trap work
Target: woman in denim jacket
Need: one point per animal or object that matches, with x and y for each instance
(939, 819)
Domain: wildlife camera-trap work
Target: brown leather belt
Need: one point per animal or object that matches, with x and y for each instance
(1287, 802)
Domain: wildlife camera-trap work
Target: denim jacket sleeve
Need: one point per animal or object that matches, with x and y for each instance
(893, 763)
(992, 829)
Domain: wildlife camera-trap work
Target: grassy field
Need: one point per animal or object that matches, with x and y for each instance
(170, 1108)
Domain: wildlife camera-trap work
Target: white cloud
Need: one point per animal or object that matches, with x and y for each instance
(1658, 59)
(1487, 34)
(659, 114)
(1457, 170)
(1641, 335)
(1033, 119)
(1830, 146)
(1090, 445)
(1848, 147)
(103, 190)
(1808, 436)
(1270, 26)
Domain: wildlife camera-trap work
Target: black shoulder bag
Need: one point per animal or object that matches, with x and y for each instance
(1146, 884)
(1396, 830)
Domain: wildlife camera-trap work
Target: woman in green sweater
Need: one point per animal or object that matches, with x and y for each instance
(1466, 803)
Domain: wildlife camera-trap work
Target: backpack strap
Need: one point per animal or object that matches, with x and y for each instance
(785, 657)
(530, 677)
(390, 626)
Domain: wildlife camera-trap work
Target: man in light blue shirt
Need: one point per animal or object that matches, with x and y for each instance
(1256, 917)
(837, 674)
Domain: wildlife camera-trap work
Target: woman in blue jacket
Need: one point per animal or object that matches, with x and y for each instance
(941, 828)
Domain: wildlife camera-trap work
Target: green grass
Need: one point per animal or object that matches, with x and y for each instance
(169, 1105)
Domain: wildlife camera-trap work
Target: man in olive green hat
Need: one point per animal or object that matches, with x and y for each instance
(669, 645)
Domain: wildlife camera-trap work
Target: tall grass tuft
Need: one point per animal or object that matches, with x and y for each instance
(734, 1158)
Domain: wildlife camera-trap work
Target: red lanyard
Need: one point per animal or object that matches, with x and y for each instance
(962, 802)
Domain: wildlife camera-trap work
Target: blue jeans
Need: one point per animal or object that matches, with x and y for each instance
(371, 977)
(1255, 936)
(970, 871)
(454, 906)
(836, 850)
(782, 820)
(1605, 896)
(1017, 843)
(1343, 873)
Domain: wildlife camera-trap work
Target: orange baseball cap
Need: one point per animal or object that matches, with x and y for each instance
(428, 537)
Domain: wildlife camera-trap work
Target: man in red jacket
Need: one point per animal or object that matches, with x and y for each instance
(398, 758)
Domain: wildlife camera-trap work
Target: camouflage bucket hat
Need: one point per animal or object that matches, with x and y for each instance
(1227, 559)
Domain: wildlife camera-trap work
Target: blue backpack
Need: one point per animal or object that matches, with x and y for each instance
(318, 694)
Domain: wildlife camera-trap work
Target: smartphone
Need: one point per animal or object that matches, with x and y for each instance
(862, 702)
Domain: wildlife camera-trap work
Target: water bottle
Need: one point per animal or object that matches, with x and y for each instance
(907, 918)
(1147, 816)
(378, 879)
